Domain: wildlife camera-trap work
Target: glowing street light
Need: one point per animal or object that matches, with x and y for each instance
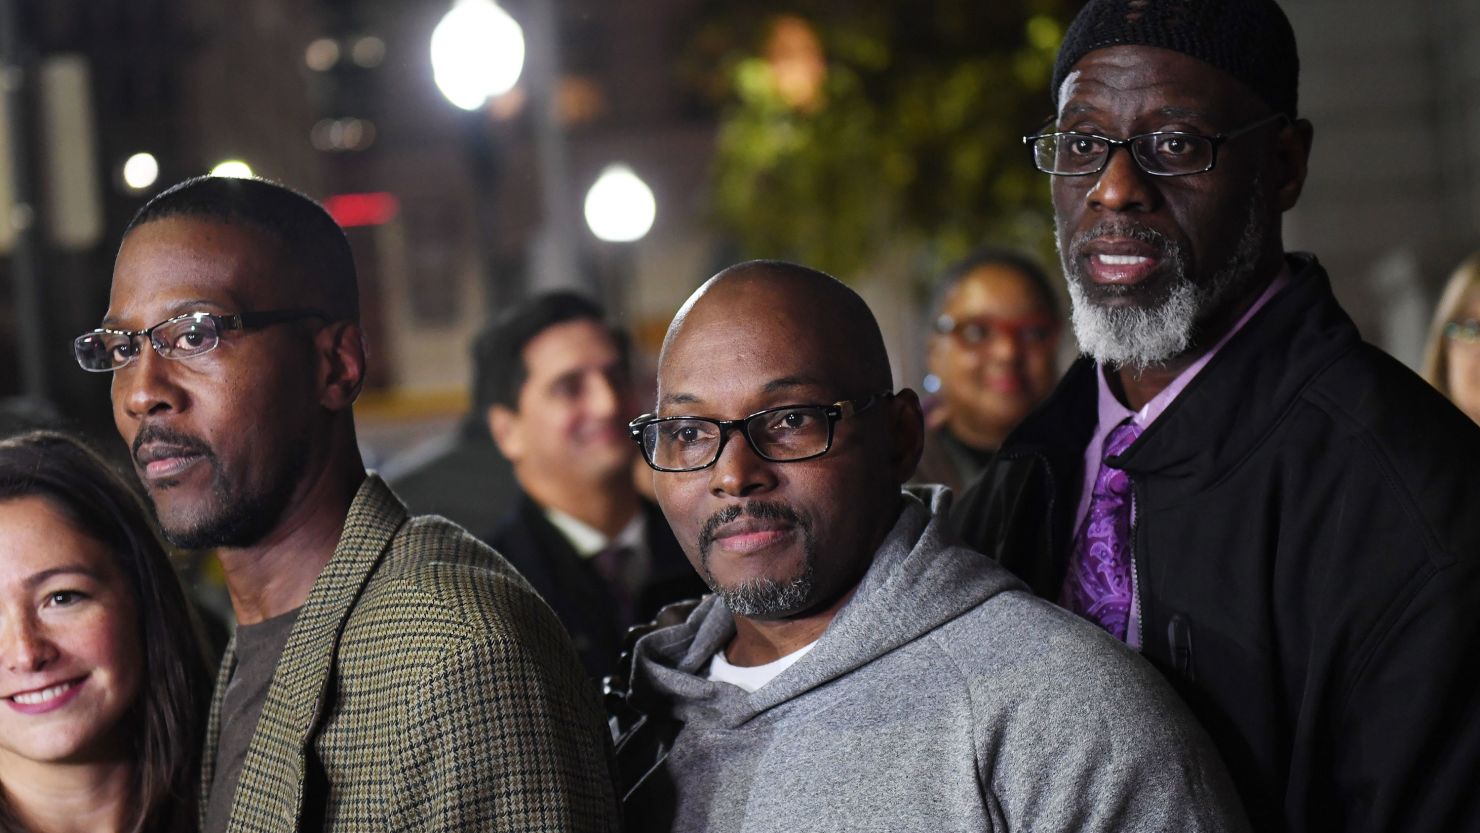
(477, 53)
(620, 207)
(140, 171)
(233, 167)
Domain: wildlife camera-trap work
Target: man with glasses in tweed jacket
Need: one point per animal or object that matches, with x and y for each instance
(388, 673)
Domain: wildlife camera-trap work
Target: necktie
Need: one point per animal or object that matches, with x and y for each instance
(1099, 585)
(611, 565)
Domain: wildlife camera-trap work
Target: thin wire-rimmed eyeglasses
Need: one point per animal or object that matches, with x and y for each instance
(182, 337)
(786, 434)
(1163, 153)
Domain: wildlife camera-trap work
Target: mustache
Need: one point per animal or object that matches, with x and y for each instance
(1121, 228)
(154, 433)
(760, 510)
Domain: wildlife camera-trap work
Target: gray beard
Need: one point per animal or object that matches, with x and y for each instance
(767, 599)
(1141, 337)
(763, 598)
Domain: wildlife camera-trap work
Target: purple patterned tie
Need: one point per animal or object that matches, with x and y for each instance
(1098, 585)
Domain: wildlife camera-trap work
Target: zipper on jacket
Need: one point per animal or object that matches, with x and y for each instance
(1179, 638)
(1179, 629)
(1135, 573)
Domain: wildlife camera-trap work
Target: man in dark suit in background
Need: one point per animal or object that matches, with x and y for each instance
(554, 386)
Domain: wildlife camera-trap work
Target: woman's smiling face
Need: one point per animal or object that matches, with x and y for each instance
(71, 661)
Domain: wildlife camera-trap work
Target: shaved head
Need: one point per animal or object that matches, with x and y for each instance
(773, 346)
(850, 347)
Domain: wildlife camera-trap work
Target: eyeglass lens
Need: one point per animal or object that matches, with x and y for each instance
(975, 331)
(180, 338)
(1156, 153)
(781, 435)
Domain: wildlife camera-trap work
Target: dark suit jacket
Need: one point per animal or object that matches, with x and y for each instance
(579, 595)
(462, 481)
(423, 688)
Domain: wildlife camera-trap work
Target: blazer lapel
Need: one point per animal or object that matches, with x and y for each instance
(270, 794)
(213, 725)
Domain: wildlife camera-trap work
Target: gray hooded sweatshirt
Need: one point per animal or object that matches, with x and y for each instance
(943, 697)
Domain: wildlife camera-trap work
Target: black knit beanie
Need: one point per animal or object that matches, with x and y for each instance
(1250, 40)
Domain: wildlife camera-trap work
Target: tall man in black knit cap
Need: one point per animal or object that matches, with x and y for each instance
(1279, 516)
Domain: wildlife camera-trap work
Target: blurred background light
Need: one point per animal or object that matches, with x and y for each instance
(233, 167)
(347, 134)
(477, 52)
(798, 66)
(620, 207)
(354, 210)
(140, 171)
(367, 52)
(322, 55)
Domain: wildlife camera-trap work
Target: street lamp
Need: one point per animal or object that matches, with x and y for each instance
(620, 207)
(140, 171)
(233, 168)
(477, 53)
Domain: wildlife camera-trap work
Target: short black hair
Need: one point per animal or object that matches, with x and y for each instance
(1029, 268)
(308, 235)
(499, 372)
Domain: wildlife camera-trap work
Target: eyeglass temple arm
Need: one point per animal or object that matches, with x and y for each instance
(850, 407)
(245, 320)
(1249, 128)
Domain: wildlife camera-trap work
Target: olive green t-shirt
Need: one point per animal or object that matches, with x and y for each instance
(258, 648)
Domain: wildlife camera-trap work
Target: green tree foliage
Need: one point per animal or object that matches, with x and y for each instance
(914, 140)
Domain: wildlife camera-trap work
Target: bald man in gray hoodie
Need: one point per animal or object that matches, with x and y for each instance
(856, 669)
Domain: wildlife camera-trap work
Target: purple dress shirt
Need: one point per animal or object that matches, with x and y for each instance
(1112, 412)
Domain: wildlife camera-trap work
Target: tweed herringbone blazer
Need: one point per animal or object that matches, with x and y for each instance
(424, 687)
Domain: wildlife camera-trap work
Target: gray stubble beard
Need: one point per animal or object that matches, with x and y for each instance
(763, 598)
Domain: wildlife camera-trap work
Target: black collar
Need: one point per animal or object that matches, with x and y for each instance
(1228, 409)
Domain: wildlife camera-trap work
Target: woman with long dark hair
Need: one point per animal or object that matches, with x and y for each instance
(103, 683)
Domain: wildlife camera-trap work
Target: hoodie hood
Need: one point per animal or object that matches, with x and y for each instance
(920, 578)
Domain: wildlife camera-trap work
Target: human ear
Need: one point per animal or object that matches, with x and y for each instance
(1291, 160)
(906, 434)
(341, 351)
(507, 430)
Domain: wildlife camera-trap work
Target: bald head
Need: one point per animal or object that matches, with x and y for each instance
(809, 309)
(788, 514)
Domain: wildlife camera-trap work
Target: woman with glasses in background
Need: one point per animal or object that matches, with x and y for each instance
(993, 356)
(103, 680)
(1452, 361)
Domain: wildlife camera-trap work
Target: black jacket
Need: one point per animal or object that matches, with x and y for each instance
(1307, 551)
(578, 594)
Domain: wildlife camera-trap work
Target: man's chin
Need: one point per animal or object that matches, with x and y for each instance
(1146, 294)
(202, 524)
(766, 598)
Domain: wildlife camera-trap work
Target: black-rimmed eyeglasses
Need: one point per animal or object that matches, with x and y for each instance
(787, 434)
(182, 337)
(1163, 153)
